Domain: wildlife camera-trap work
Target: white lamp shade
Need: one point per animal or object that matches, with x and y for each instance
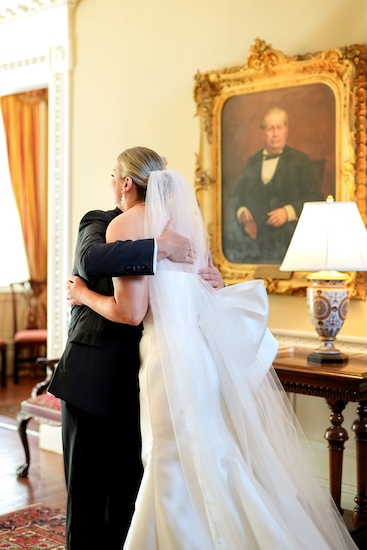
(328, 236)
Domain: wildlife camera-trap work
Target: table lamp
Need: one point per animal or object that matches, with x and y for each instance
(330, 239)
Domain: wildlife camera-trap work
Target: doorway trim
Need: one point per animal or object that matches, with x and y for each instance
(42, 58)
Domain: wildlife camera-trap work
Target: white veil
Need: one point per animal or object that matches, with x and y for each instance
(170, 198)
(242, 451)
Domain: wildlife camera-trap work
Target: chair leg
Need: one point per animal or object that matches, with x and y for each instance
(15, 365)
(22, 471)
(3, 366)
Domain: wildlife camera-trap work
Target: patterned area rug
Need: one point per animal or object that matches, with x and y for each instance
(35, 527)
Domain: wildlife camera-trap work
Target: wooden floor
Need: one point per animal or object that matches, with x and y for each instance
(45, 483)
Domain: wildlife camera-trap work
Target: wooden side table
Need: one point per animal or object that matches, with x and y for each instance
(338, 384)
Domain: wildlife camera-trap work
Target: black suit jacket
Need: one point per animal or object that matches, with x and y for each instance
(98, 368)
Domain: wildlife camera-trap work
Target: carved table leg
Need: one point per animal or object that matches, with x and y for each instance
(360, 429)
(336, 436)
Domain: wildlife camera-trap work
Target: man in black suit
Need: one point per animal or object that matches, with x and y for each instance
(97, 381)
(275, 183)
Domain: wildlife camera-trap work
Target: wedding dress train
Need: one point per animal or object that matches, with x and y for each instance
(226, 464)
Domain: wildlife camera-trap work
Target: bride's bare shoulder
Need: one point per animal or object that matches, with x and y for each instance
(128, 225)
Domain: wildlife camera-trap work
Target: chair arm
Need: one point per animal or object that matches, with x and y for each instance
(50, 367)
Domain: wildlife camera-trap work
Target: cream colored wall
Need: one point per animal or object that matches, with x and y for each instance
(133, 79)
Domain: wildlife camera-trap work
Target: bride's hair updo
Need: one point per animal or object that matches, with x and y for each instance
(138, 163)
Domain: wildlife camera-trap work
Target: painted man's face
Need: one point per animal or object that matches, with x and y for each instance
(276, 132)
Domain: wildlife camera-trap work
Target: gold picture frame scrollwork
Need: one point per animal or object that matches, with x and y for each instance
(340, 72)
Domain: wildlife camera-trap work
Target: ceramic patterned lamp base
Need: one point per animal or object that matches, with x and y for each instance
(328, 302)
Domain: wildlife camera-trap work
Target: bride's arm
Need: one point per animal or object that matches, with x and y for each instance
(129, 303)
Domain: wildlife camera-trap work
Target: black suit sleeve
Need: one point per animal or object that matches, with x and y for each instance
(96, 259)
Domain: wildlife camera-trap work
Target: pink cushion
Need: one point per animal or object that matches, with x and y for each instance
(38, 335)
(45, 407)
(46, 400)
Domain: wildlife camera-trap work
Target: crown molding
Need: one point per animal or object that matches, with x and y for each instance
(15, 9)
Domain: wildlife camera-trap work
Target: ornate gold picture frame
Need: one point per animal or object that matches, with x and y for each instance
(324, 95)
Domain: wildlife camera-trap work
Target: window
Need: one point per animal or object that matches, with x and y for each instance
(13, 265)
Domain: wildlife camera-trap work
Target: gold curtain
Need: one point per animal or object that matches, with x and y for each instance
(26, 128)
(26, 124)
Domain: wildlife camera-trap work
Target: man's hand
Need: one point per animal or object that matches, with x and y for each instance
(175, 247)
(277, 217)
(251, 229)
(212, 275)
(248, 223)
(74, 289)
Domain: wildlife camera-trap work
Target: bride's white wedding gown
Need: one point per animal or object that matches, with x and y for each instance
(226, 464)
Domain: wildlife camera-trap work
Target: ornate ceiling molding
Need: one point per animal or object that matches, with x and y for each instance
(14, 9)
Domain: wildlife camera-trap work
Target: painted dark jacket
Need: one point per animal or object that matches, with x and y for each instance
(294, 182)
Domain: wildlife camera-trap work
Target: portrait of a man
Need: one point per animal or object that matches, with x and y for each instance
(262, 205)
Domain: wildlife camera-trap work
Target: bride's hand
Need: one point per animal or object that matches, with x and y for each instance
(211, 275)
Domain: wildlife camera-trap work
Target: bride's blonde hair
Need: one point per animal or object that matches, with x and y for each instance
(138, 163)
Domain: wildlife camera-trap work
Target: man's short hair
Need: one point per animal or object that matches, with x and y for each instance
(274, 111)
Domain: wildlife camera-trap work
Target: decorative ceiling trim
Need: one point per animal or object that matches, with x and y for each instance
(14, 9)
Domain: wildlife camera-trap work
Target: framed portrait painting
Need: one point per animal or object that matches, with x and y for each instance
(312, 109)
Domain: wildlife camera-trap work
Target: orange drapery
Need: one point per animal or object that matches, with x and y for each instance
(26, 124)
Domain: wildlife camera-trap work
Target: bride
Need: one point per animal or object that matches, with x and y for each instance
(226, 465)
